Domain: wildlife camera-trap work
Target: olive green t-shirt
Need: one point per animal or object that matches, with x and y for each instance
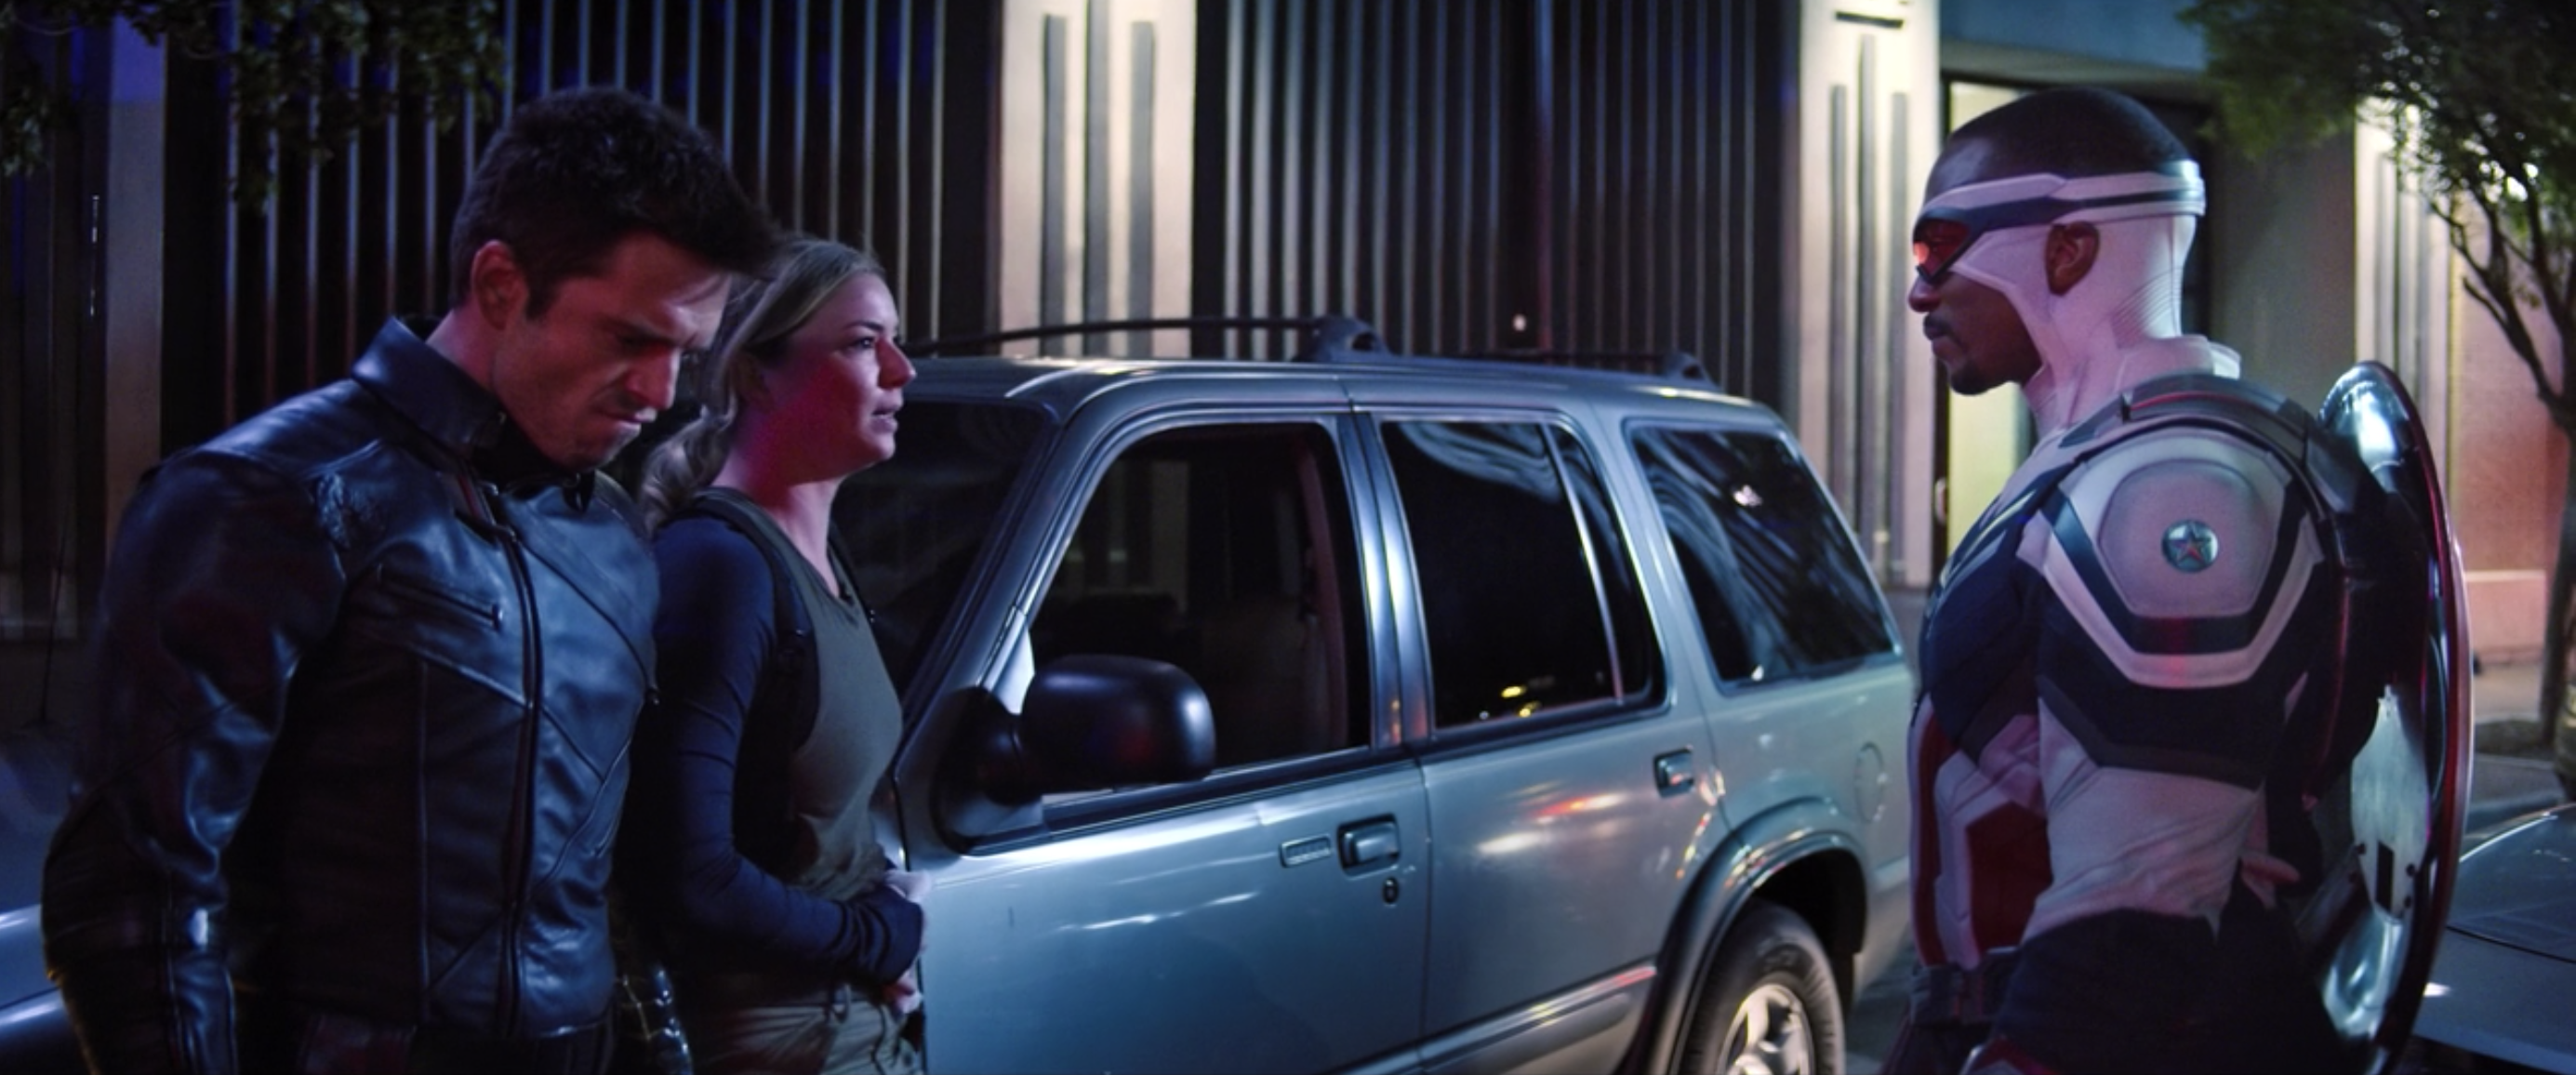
(858, 721)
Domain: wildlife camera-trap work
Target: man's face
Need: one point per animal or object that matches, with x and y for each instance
(1977, 335)
(582, 379)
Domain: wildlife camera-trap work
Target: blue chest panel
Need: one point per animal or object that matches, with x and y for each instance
(1998, 640)
(1981, 628)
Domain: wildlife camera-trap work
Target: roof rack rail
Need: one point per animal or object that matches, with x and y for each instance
(1326, 334)
(1329, 338)
(1671, 365)
(1338, 337)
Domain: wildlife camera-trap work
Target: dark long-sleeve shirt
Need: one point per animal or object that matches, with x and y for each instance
(762, 858)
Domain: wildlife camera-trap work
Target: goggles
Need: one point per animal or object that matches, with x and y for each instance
(1953, 222)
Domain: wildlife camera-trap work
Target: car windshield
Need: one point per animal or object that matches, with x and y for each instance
(914, 525)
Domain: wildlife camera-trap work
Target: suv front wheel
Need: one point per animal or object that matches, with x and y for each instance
(1770, 1007)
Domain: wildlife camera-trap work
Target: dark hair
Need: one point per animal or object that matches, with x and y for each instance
(2072, 132)
(574, 173)
(758, 318)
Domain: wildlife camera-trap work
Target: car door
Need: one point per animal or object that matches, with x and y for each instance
(1816, 694)
(1569, 798)
(1269, 917)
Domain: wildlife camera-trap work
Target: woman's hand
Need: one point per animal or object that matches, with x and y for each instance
(910, 885)
(904, 994)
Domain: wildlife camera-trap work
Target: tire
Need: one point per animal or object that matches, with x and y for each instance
(1769, 1006)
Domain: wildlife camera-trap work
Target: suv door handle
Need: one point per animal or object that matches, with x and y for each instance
(1673, 772)
(1367, 842)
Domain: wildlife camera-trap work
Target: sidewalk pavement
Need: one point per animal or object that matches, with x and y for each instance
(2501, 787)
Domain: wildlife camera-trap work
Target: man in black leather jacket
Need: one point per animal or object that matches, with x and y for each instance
(370, 661)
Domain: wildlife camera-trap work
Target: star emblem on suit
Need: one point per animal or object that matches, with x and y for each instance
(2191, 546)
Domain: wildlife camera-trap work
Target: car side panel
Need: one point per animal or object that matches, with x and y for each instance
(1191, 943)
(1830, 742)
(1558, 860)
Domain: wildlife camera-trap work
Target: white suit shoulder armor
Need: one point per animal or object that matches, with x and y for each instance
(2180, 552)
(2189, 523)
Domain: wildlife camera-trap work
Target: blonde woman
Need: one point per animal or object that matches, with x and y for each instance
(749, 855)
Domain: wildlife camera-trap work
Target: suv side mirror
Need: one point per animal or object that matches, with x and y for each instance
(1093, 721)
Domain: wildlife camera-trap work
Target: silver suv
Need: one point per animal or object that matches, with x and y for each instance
(1379, 713)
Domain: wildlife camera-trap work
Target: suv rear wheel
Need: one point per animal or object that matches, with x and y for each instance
(1770, 1007)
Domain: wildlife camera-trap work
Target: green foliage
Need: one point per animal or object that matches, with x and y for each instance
(2481, 96)
(2477, 83)
(2285, 70)
(26, 113)
(305, 76)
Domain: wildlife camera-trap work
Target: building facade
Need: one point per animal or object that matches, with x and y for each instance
(1734, 179)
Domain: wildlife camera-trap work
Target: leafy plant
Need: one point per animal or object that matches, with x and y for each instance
(2481, 96)
(302, 77)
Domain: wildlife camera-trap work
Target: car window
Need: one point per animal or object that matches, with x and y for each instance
(1227, 551)
(914, 524)
(1529, 596)
(1773, 578)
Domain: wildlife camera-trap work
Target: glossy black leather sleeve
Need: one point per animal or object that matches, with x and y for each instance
(219, 583)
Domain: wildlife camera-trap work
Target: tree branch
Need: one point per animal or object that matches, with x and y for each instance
(2491, 283)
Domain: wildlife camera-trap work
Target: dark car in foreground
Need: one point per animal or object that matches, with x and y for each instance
(2503, 993)
(35, 1039)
